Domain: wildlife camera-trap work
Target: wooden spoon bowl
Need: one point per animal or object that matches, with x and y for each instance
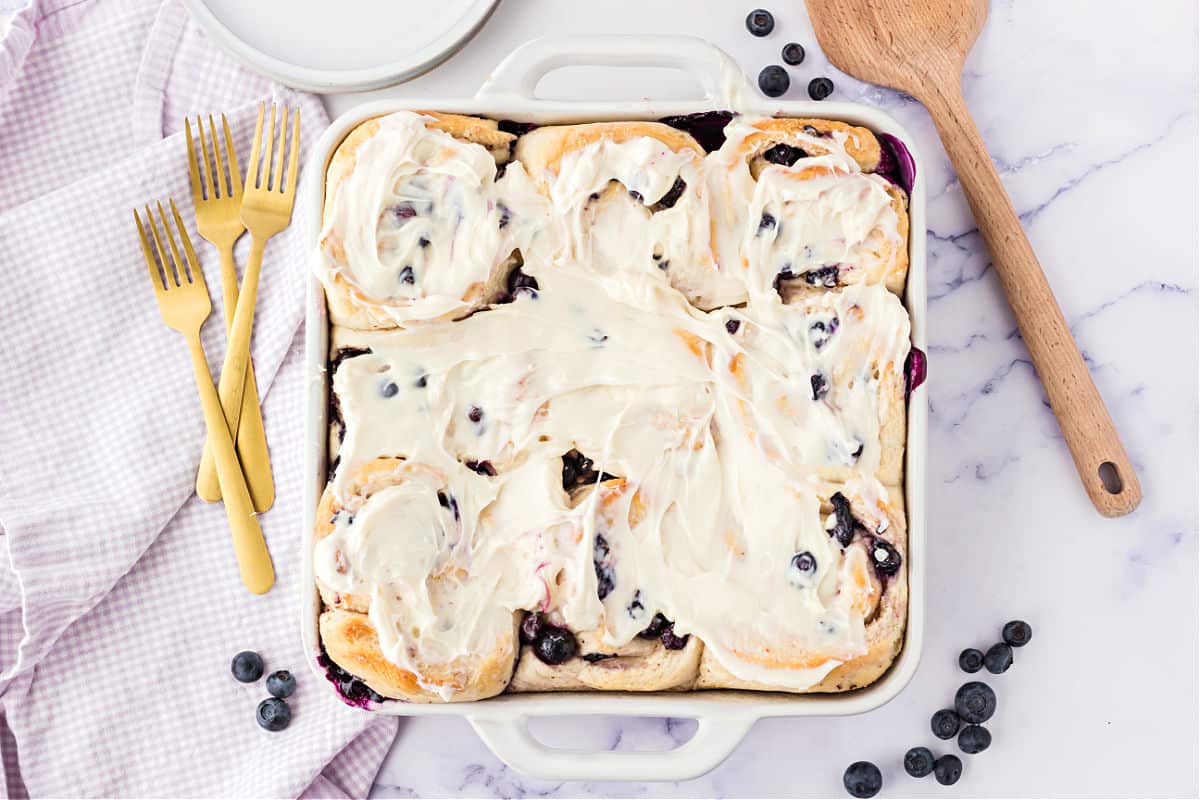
(919, 48)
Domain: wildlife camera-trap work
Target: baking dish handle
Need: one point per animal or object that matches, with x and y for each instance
(517, 76)
(716, 737)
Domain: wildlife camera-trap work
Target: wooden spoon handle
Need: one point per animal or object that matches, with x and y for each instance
(1100, 458)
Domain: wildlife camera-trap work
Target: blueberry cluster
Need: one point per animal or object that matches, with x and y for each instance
(974, 704)
(274, 713)
(774, 80)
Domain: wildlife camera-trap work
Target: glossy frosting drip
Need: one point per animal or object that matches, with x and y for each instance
(721, 427)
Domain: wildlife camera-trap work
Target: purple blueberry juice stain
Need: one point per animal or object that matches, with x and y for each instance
(914, 371)
(706, 127)
(350, 689)
(896, 162)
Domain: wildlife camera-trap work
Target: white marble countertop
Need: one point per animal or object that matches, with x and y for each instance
(1090, 111)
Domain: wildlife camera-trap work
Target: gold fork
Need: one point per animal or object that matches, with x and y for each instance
(218, 207)
(184, 305)
(267, 201)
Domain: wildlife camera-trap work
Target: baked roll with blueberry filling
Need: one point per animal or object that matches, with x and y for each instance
(553, 657)
(416, 224)
(817, 387)
(797, 203)
(631, 198)
(395, 563)
(839, 600)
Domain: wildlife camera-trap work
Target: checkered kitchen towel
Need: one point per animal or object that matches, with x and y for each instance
(120, 603)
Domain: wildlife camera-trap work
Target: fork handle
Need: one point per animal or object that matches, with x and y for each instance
(237, 357)
(251, 439)
(249, 547)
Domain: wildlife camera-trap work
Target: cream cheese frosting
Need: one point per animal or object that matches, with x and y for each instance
(722, 428)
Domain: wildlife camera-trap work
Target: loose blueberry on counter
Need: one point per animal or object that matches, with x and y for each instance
(918, 762)
(793, 53)
(970, 660)
(531, 626)
(944, 723)
(555, 645)
(885, 557)
(947, 769)
(862, 779)
(999, 658)
(760, 22)
(820, 88)
(273, 714)
(247, 666)
(974, 739)
(975, 702)
(280, 683)
(1017, 633)
(773, 81)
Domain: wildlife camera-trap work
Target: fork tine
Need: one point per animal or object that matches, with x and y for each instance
(176, 261)
(204, 160)
(294, 155)
(277, 180)
(222, 190)
(235, 177)
(188, 250)
(193, 170)
(152, 265)
(253, 163)
(264, 181)
(168, 272)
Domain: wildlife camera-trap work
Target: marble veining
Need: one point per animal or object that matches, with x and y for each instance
(1090, 113)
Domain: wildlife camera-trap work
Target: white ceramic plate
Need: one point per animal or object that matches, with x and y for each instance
(343, 46)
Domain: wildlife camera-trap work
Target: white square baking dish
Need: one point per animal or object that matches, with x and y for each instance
(723, 717)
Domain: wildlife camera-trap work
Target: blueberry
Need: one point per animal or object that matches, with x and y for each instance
(403, 212)
(1017, 633)
(531, 626)
(605, 579)
(974, 739)
(998, 659)
(481, 467)
(970, 660)
(918, 762)
(670, 639)
(247, 666)
(820, 88)
(843, 529)
(273, 714)
(947, 770)
(767, 223)
(819, 387)
(672, 196)
(885, 557)
(862, 779)
(792, 54)
(592, 658)
(803, 568)
(407, 276)
(389, 389)
(944, 723)
(555, 645)
(857, 452)
(760, 22)
(280, 683)
(475, 414)
(774, 80)
(505, 216)
(732, 326)
(975, 702)
(423, 242)
(783, 154)
(655, 628)
(822, 276)
(819, 332)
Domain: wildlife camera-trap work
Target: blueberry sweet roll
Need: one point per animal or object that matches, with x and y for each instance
(797, 204)
(414, 224)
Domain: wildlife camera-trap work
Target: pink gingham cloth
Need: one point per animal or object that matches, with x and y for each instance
(120, 602)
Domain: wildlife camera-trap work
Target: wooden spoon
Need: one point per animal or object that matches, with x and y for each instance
(919, 48)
